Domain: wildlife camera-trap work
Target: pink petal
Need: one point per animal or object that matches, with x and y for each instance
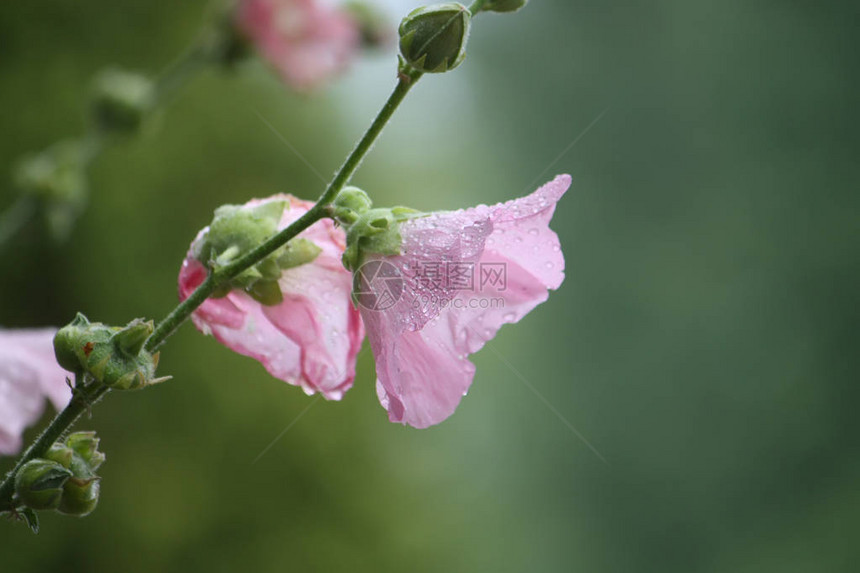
(306, 41)
(28, 373)
(311, 339)
(421, 343)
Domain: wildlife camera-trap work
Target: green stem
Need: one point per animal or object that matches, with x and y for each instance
(181, 70)
(82, 399)
(477, 6)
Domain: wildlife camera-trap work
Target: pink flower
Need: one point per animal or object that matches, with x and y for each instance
(310, 339)
(306, 41)
(460, 276)
(28, 373)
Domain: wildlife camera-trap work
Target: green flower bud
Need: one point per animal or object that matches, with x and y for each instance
(349, 204)
(113, 356)
(69, 343)
(122, 100)
(39, 483)
(433, 38)
(503, 5)
(57, 178)
(80, 496)
(372, 23)
(86, 445)
(121, 362)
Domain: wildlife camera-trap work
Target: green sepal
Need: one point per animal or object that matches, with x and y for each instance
(30, 517)
(130, 340)
(375, 231)
(296, 253)
(266, 292)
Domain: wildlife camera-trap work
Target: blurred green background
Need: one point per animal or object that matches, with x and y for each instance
(704, 340)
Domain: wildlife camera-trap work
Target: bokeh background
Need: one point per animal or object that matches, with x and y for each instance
(704, 340)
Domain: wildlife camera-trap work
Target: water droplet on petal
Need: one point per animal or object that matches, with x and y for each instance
(509, 317)
(534, 232)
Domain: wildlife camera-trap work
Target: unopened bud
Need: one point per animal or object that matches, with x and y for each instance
(122, 100)
(349, 204)
(57, 178)
(80, 496)
(113, 356)
(39, 483)
(86, 445)
(374, 27)
(433, 38)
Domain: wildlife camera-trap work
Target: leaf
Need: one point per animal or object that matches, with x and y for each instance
(30, 517)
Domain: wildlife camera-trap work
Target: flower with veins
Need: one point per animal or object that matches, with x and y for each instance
(309, 337)
(422, 341)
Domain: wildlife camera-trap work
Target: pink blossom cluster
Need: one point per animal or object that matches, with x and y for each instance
(311, 339)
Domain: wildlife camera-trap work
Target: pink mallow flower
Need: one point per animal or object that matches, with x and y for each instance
(459, 277)
(306, 41)
(28, 373)
(310, 339)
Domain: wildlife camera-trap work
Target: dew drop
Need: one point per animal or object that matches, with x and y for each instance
(509, 317)
(533, 232)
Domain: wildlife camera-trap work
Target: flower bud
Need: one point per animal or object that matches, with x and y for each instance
(114, 356)
(349, 204)
(86, 445)
(433, 38)
(39, 483)
(70, 340)
(80, 496)
(121, 362)
(122, 100)
(373, 26)
(57, 178)
(503, 5)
